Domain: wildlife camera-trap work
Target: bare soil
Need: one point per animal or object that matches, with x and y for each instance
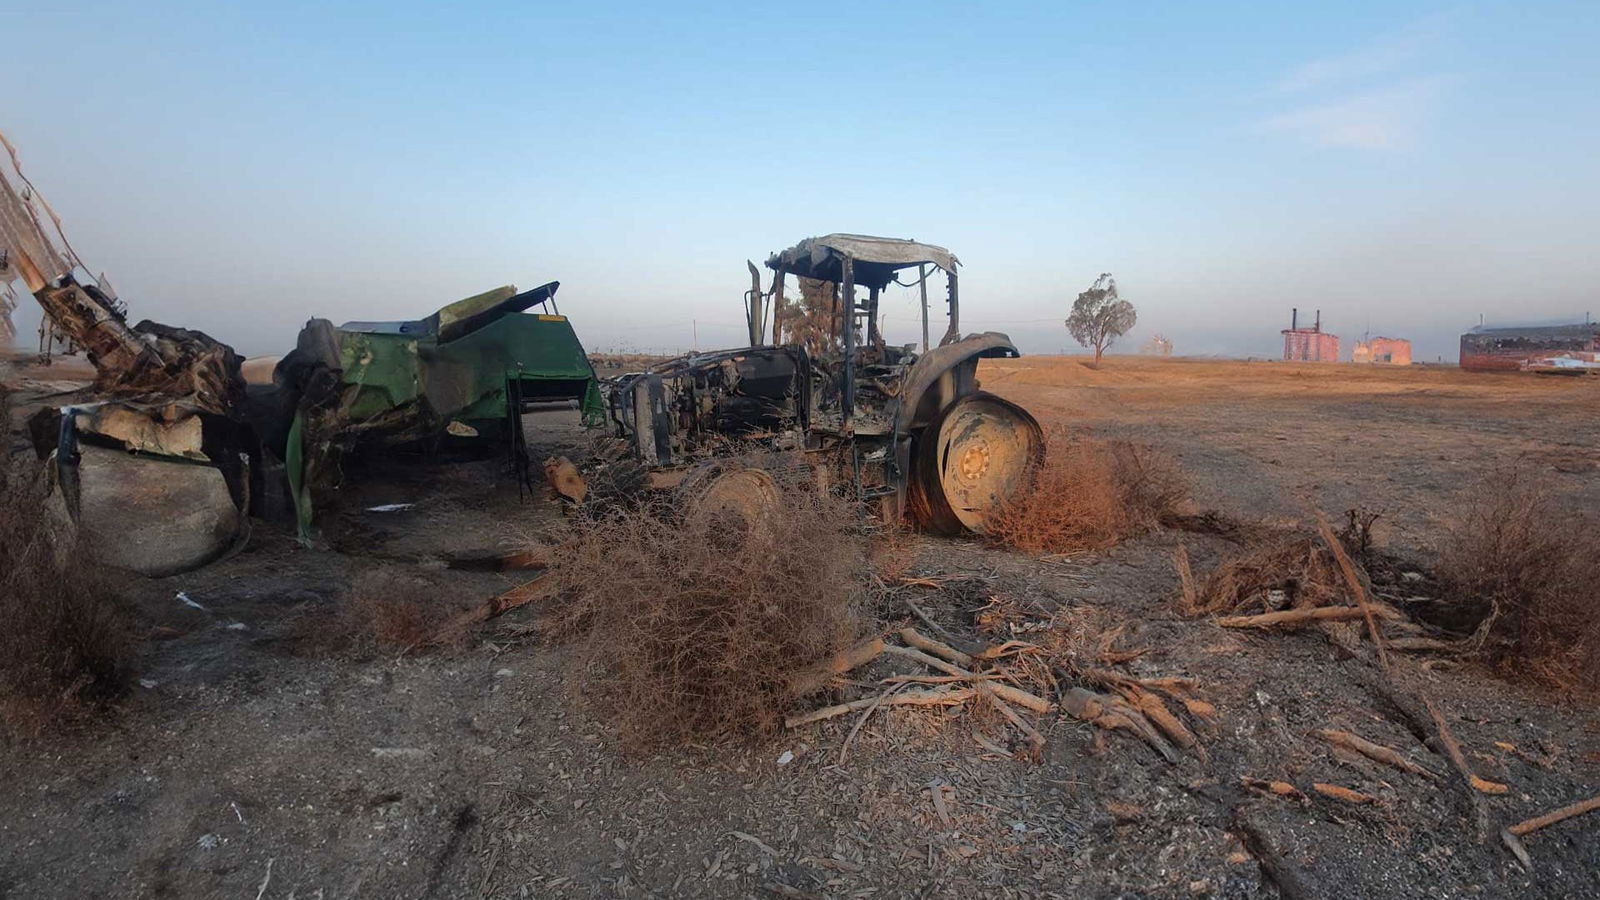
(248, 764)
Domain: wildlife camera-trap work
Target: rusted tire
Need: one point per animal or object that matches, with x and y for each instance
(730, 488)
(978, 452)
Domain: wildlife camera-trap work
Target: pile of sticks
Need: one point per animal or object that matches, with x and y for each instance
(1002, 675)
(950, 677)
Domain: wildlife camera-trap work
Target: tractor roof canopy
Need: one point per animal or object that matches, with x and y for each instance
(876, 259)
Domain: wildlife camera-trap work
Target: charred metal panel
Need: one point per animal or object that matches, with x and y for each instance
(691, 407)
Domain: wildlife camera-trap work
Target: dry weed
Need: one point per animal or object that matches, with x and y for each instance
(1153, 488)
(704, 629)
(1279, 573)
(892, 550)
(1088, 494)
(386, 611)
(1524, 567)
(1084, 639)
(65, 648)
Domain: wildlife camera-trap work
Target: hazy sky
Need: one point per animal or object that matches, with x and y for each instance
(1404, 167)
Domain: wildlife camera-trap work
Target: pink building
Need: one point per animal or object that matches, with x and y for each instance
(1309, 344)
(1383, 351)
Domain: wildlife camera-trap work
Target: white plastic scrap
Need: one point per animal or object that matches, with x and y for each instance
(184, 599)
(390, 507)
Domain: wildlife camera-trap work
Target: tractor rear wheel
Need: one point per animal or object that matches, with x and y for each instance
(976, 454)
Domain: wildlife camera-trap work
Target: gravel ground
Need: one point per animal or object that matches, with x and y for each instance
(245, 766)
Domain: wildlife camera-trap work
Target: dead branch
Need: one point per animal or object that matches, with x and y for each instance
(535, 557)
(1200, 709)
(1276, 865)
(532, 558)
(1428, 725)
(842, 662)
(1357, 589)
(1002, 691)
(1276, 788)
(1378, 752)
(498, 605)
(845, 745)
(916, 639)
(1190, 602)
(1343, 794)
(1162, 718)
(937, 679)
(1511, 836)
(938, 629)
(1452, 749)
(1529, 826)
(1294, 617)
(938, 697)
(1008, 648)
(1028, 730)
(989, 745)
(1112, 713)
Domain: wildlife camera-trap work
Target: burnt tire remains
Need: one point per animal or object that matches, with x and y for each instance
(978, 452)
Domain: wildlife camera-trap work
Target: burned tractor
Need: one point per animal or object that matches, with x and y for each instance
(828, 400)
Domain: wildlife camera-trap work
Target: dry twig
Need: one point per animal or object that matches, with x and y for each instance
(1294, 617)
(939, 697)
(1343, 794)
(1002, 691)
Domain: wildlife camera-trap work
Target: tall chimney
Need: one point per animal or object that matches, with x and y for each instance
(1318, 326)
(1294, 317)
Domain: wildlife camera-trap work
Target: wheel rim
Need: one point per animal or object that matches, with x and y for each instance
(975, 455)
(750, 494)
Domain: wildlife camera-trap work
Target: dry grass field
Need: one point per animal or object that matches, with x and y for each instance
(1260, 438)
(255, 759)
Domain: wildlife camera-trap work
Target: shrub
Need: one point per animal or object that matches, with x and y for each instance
(705, 628)
(1088, 494)
(385, 611)
(1153, 489)
(1273, 573)
(65, 649)
(1523, 566)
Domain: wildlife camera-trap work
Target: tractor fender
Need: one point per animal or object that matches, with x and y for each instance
(944, 375)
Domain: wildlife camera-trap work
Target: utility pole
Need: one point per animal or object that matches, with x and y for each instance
(922, 283)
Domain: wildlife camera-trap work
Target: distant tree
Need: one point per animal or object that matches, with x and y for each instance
(812, 319)
(1099, 317)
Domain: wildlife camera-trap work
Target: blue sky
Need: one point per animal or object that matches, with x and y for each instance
(1402, 167)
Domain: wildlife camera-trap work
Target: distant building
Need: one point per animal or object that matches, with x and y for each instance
(1309, 344)
(1383, 351)
(1512, 349)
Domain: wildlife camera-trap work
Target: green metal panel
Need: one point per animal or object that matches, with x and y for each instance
(405, 387)
(382, 372)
